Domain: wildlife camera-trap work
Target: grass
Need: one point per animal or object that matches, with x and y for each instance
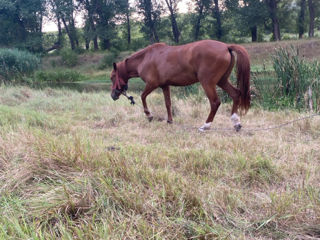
(80, 166)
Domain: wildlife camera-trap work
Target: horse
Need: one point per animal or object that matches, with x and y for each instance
(207, 61)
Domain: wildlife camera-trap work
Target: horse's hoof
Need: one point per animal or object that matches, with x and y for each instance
(237, 127)
(169, 121)
(205, 127)
(150, 118)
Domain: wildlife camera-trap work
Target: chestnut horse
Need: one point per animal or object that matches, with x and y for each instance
(208, 62)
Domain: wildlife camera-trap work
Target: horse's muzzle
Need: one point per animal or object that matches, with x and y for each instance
(115, 95)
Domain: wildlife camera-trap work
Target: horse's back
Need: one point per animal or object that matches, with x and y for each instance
(183, 64)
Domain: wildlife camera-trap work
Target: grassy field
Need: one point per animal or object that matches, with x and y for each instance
(260, 55)
(80, 166)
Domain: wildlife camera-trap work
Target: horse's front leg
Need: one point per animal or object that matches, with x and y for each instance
(167, 99)
(214, 104)
(147, 90)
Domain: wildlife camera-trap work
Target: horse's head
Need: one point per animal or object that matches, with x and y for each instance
(119, 80)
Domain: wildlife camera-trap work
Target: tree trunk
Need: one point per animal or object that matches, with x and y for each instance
(87, 44)
(174, 25)
(217, 16)
(155, 34)
(95, 43)
(272, 5)
(128, 26)
(72, 42)
(175, 30)
(95, 38)
(73, 31)
(198, 23)
(301, 18)
(254, 33)
(311, 16)
(59, 31)
(106, 43)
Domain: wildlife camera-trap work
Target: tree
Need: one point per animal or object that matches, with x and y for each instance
(21, 23)
(55, 16)
(150, 10)
(127, 12)
(250, 15)
(311, 18)
(301, 18)
(273, 13)
(64, 11)
(90, 31)
(217, 16)
(172, 6)
(200, 7)
(105, 17)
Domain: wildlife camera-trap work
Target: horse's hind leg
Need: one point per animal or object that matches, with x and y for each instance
(167, 99)
(234, 93)
(214, 104)
(147, 90)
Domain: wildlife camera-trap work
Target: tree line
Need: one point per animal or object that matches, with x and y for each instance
(128, 25)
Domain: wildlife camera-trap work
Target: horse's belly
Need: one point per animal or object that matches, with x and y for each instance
(182, 80)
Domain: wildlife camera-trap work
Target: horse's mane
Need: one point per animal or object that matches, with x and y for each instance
(146, 49)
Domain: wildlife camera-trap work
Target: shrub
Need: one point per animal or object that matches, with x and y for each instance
(107, 60)
(16, 64)
(57, 76)
(69, 58)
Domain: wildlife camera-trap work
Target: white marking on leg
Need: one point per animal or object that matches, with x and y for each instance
(236, 122)
(205, 126)
(235, 119)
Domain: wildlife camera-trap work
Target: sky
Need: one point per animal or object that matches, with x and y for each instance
(50, 26)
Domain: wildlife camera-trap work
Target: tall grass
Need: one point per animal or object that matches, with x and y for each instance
(57, 76)
(295, 76)
(15, 64)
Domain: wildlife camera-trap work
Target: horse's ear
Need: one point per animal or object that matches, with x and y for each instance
(115, 66)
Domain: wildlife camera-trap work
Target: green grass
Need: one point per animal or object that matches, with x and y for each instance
(81, 166)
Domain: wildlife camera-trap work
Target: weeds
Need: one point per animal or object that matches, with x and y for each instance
(295, 75)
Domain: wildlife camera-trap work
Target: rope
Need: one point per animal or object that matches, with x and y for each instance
(282, 124)
(257, 129)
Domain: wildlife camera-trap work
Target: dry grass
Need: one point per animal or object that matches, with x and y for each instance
(80, 166)
(260, 53)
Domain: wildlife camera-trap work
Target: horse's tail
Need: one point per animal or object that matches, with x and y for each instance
(243, 75)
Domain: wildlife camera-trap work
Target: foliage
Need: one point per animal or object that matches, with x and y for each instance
(69, 57)
(108, 59)
(151, 11)
(15, 64)
(57, 76)
(21, 24)
(295, 75)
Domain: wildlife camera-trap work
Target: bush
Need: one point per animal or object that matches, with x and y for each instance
(57, 76)
(107, 60)
(16, 64)
(69, 58)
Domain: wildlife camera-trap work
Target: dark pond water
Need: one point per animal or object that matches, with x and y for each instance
(89, 86)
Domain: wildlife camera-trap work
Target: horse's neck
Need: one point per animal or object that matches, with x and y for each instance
(134, 61)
